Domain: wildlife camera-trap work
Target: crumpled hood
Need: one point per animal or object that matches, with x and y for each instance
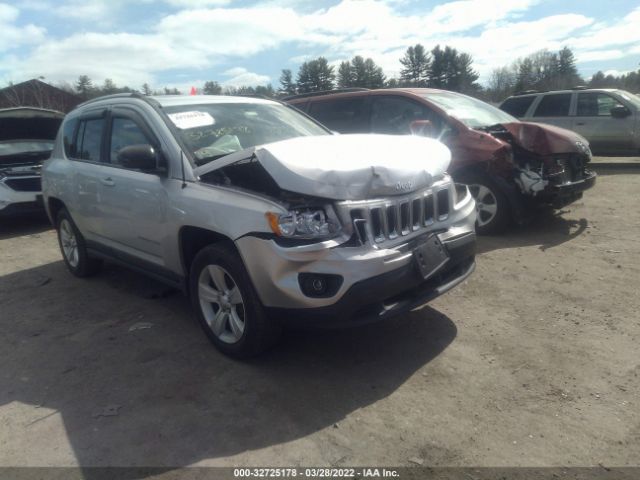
(348, 167)
(545, 139)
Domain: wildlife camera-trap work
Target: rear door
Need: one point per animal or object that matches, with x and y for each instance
(554, 109)
(134, 202)
(85, 151)
(343, 115)
(593, 120)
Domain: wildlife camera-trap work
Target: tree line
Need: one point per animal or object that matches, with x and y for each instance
(545, 70)
(445, 68)
(441, 67)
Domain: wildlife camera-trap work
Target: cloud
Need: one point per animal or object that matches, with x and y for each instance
(13, 35)
(198, 36)
(599, 55)
(240, 76)
(197, 3)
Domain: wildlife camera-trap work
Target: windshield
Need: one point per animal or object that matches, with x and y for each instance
(473, 113)
(211, 131)
(630, 97)
(25, 146)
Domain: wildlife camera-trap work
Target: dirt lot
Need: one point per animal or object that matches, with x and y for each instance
(532, 362)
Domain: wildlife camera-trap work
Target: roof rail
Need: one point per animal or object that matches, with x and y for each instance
(114, 95)
(525, 92)
(579, 87)
(325, 92)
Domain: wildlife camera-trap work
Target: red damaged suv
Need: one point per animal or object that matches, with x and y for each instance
(509, 165)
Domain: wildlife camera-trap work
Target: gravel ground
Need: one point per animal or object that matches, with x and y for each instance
(532, 362)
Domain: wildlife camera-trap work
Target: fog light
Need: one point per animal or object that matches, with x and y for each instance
(319, 285)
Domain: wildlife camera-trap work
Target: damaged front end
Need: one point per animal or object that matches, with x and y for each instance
(550, 163)
(318, 179)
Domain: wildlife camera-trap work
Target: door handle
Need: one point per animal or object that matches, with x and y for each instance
(108, 182)
(580, 123)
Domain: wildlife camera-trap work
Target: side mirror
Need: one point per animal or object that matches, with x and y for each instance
(424, 128)
(620, 111)
(140, 157)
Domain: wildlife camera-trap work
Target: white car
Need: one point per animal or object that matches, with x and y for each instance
(26, 140)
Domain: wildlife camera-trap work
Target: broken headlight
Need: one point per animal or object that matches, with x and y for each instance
(584, 149)
(307, 223)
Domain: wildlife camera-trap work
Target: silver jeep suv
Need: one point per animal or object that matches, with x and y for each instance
(256, 211)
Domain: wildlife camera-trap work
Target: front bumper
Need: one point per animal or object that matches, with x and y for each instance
(566, 193)
(377, 280)
(390, 294)
(17, 202)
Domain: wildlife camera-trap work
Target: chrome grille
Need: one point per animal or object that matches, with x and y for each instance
(391, 218)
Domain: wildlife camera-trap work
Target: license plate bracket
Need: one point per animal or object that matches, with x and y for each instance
(430, 256)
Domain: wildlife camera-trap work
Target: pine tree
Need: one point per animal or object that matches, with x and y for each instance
(109, 87)
(416, 63)
(146, 89)
(345, 75)
(212, 88)
(315, 75)
(84, 86)
(287, 85)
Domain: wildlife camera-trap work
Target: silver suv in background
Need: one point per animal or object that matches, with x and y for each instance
(609, 119)
(258, 212)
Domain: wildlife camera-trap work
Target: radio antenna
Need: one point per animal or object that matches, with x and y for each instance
(184, 180)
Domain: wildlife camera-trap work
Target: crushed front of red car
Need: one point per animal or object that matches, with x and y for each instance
(550, 164)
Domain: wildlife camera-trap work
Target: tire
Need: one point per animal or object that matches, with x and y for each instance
(492, 206)
(73, 247)
(226, 304)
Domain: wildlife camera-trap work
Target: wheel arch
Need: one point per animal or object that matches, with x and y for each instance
(54, 205)
(192, 239)
(509, 189)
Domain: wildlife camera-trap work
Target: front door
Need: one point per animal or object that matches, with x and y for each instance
(605, 133)
(134, 202)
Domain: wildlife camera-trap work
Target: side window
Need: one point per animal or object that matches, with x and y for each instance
(556, 105)
(345, 116)
(89, 140)
(517, 106)
(595, 104)
(394, 115)
(67, 137)
(124, 132)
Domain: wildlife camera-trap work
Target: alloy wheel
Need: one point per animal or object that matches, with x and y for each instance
(69, 243)
(486, 203)
(221, 303)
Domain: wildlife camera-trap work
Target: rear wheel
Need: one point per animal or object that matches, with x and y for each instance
(226, 304)
(73, 247)
(492, 206)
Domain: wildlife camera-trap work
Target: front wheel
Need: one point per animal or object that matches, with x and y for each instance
(492, 206)
(226, 304)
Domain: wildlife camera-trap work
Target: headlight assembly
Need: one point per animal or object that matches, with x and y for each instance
(308, 223)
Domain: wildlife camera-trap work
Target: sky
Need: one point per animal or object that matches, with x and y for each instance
(183, 43)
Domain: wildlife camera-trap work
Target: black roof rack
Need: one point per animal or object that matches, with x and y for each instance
(114, 95)
(325, 92)
(525, 92)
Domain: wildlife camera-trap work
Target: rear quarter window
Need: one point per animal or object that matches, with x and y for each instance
(347, 115)
(517, 106)
(556, 105)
